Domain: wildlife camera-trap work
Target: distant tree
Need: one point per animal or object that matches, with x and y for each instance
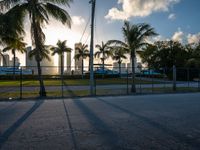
(164, 54)
(104, 52)
(193, 51)
(135, 38)
(14, 45)
(60, 50)
(82, 54)
(119, 54)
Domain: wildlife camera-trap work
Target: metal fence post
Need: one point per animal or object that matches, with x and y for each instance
(174, 78)
(140, 81)
(95, 86)
(127, 87)
(21, 83)
(188, 77)
(164, 79)
(62, 84)
(199, 81)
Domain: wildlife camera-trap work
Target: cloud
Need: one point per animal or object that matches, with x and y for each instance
(193, 38)
(172, 17)
(138, 8)
(178, 36)
(78, 20)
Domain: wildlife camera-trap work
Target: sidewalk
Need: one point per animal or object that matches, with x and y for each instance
(127, 122)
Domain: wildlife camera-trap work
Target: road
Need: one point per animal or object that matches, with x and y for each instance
(157, 122)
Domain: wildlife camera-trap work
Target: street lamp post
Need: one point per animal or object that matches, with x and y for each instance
(93, 2)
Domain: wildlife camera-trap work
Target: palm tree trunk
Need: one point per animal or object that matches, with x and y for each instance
(133, 88)
(38, 45)
(61, 64)
(82, 68)
(42, 88)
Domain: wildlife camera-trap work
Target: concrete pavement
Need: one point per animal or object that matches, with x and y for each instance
(157, 122)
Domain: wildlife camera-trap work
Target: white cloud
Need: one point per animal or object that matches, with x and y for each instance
(193, 38)
(138, 8)
(178, 36)
(78, 20)
(172, 17)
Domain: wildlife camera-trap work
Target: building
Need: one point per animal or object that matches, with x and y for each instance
(78, 62)
(7, 60)
(47, 66)
(69, 62)
(17, 62)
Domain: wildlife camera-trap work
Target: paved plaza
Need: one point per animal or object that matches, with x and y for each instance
(148, 122)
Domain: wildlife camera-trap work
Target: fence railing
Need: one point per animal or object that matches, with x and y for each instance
(22, 82)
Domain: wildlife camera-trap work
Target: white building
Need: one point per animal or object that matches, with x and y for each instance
(78, 62)
(47, 66)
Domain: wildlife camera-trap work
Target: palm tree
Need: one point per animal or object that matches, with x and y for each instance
(118, 55)
(135, 38)
(11, 25)
(39, 12)
(82, 54)
(104, 51)
(60, 50)
(14, 45)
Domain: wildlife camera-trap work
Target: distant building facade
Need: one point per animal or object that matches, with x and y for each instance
(47, 66)
(78, 62)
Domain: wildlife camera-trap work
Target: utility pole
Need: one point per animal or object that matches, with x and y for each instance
(93, 2)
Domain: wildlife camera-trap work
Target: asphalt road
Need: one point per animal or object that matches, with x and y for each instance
(157, 122)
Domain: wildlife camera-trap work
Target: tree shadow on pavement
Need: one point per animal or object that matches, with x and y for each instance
(5, 135)
(70, 127)
(177, 135)
(105, 132)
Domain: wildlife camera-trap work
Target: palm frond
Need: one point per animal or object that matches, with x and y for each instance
(58, 13)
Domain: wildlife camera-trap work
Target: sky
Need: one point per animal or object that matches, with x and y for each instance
(172, 19)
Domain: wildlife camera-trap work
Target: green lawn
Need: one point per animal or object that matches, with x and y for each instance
(99, 92)
(76, 82)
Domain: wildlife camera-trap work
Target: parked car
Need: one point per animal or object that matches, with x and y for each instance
(150, 72)
(106, 71)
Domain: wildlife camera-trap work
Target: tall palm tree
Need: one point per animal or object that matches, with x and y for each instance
(119, 54)
(15, 45)
(39, 12)
(60, 50)
(135, 38)
(82, 54)
(104, 51)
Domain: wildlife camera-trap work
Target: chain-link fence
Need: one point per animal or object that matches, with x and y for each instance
(23, 82)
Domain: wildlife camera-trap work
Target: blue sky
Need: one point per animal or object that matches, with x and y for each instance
(172, 19)
(183, 23)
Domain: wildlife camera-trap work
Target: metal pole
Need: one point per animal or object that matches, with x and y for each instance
(93, 2)
(188, 77)
(199, 81)
(127, 82)
(140, 82)
(21, 83)
(174, 78)
(62, 87)
(164, 80)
